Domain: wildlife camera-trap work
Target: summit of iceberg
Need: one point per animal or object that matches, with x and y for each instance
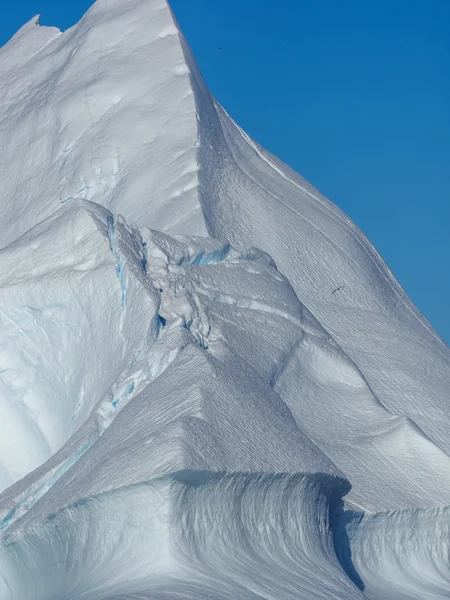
(187, 409)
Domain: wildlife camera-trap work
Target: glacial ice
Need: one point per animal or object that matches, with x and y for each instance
(187, 409)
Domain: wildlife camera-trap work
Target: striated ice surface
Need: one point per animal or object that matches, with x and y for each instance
(187, 410)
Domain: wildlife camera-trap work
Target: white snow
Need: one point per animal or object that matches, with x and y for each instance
(186, 407)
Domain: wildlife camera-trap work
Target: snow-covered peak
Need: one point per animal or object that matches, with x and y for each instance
(103, 112)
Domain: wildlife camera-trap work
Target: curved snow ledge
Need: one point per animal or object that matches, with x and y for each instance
(191, 533)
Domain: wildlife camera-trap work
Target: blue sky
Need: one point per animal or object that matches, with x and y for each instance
(353, 95)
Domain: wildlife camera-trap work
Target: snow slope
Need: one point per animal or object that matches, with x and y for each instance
(186, 407)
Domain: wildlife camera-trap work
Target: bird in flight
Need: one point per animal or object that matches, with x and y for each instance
(219, 48)
(341, 287)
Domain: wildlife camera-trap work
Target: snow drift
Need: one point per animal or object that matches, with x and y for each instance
(187, 409)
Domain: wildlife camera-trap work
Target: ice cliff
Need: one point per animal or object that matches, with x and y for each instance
(187, 409)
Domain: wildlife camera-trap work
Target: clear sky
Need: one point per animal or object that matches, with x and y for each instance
(355, 95)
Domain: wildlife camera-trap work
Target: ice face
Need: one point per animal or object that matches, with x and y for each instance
(187, 407)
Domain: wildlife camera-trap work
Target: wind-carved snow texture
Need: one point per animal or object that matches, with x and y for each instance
(187, 408)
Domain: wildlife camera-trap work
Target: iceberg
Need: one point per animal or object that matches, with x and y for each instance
(187, 407)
